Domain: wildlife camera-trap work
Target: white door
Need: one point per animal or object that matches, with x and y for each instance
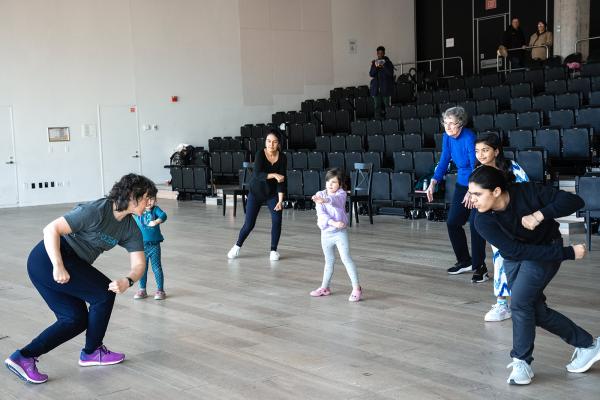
(119, 143)
(9, 194)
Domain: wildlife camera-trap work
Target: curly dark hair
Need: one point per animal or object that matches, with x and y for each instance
(131, 186)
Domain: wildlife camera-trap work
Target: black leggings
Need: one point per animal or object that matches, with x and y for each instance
(68, 301)
(252, 209)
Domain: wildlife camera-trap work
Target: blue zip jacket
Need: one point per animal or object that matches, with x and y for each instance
(461, 150)
(151, 233)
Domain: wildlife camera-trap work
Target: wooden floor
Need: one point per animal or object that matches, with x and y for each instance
(247, 329)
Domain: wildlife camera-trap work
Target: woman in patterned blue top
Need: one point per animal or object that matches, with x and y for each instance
(488, 150)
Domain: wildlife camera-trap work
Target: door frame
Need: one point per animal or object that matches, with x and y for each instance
(137, 132)
(14, 152)
(476, 21)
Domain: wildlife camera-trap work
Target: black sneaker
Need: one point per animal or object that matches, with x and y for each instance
(480, 275)
(460, 268)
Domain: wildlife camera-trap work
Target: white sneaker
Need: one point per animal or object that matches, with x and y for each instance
(584, 358)
(521, 373)
(499, 312)
(234, 252)
(274, 256)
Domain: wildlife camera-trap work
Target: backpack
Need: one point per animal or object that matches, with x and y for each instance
(183, 156)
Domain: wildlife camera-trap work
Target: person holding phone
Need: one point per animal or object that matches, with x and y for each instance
(382, 82)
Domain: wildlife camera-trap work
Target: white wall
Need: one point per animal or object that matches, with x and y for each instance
(390, 23)
(62, 58)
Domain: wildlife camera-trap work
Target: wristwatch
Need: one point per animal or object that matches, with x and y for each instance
(130, 281)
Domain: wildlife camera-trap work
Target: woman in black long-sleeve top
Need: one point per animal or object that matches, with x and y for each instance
(519, 221)
(267, 185)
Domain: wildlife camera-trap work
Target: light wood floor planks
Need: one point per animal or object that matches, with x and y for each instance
(247, 329)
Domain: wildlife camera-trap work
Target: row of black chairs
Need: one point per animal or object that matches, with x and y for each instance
(261, 130)
(305, 133)
(548, 102)
(188, 180)
(342, 121)
(226, 143)
(504, 92)
(420, 163)
(477, 87)
(580, 86)
(349, 92)
(563, 118)
(569, 144)
(226, 164)
(536, 76)
(387, 143)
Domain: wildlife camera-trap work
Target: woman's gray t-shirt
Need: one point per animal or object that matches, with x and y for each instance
(94, 229)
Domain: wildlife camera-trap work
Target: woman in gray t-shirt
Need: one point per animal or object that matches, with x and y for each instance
(60, 268)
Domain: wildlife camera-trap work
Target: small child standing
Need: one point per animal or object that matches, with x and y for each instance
(149, 223)
(332, 219)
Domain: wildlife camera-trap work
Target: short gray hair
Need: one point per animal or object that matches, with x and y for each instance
(458, 113)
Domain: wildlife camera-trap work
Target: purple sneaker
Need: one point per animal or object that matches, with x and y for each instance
(25, 368)
(102, 356)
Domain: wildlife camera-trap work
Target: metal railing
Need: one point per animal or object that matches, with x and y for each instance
(585, 40)
(508, 64)
(443, 59)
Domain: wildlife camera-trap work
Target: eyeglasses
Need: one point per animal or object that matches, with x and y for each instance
(450, 124)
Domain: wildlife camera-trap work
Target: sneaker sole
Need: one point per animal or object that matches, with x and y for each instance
(497, 319)
(98, 363)
(461, 271)
(513, 382)
(17, 370)
(484, 279)
(586, 366)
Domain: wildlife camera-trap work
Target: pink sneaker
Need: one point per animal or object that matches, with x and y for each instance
(355, 295)
(140, 294)
(102, 356)
(322, 291)
(160, 295)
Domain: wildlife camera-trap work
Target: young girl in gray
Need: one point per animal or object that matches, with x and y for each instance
(332, 219)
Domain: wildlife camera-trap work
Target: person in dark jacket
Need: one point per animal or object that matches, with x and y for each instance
(519, 221)
(266, 186)
(382, 82)
(514, 38)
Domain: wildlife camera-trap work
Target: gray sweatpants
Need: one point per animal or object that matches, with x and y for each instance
(339, 239)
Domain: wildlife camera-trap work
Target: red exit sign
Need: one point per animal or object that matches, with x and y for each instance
(490, 4)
